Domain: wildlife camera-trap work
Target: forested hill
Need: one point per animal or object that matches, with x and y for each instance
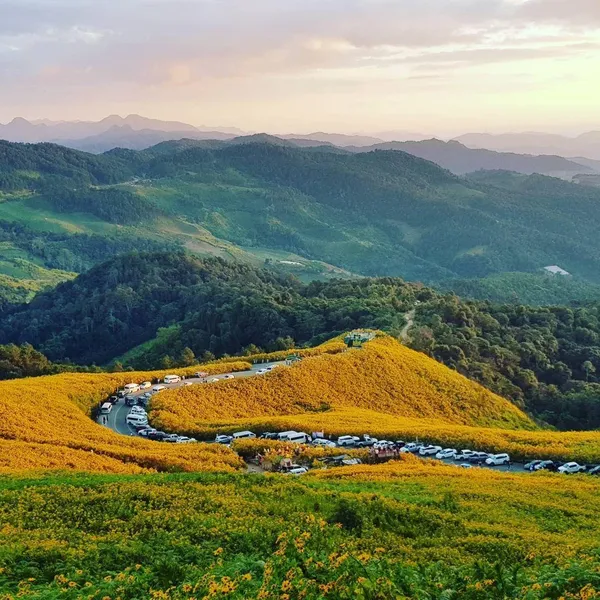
(162, 310)
(376, 213)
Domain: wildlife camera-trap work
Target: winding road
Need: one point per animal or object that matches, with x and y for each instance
(117, 419)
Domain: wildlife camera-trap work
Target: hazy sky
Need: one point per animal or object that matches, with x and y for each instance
(434, 66)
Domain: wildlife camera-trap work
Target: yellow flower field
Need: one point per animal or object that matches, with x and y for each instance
(45, 424)
(385, 390)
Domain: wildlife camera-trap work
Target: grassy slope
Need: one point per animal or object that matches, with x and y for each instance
(386, 390)
(403, 530)
(44, 424)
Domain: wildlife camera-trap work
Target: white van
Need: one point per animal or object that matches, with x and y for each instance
(132, 388)
(299, 438)
(158, 388)
(106, 408)
(243, 435)
(283, 436)
(137, 419)
(172, 379)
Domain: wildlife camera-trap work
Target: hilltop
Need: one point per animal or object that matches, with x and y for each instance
(383, 377)
(308, 210)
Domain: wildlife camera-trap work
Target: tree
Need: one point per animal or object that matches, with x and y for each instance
(187, 357)
(588, 368)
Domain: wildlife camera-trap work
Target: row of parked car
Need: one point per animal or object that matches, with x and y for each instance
(466, 457)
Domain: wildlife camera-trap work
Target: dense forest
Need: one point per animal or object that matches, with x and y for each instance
(168, 309)
(378, 213)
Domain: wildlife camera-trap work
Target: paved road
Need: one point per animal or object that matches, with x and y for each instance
(117, 419)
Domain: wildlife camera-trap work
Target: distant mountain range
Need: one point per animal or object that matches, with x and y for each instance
(460, 159)
(586, 144)
(464, 155)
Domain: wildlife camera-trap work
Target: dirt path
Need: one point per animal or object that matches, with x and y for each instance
(410, 321)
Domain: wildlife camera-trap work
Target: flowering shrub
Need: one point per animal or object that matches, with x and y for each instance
(44, 425)
(403, 530)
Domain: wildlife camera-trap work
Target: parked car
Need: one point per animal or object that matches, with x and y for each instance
(223, 439)
(412, 447)
(571, 467)
(106, 408)
(532, 465)
(446, 453)
(201, 374)
(323, 443)
(146, 431)
(268, 436)
(348, 440)
(547, 465)
(367, 442)
(495, 460)
(213, 380)
(122, 393)
(594, 471)
(478, 458)
(464, 454)
(465, 466)
(132, 388)
(113, 399)
(299, 438)
(283, 435)
(429, 450)
(158, 388)
(400, 444)
(182, 439)
(146, 385)
(228, 377)
(137, 409)
(298, 471)
(157, 436)
(262, 372)
(170, 379)
(130, 400)
(243, 435)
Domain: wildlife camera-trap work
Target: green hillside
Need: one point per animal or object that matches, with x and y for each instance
(164, 310)
(538, 289)
(376, 213)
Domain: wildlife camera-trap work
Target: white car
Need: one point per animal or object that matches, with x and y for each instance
(227, 377)
(410, 447)
(323, 443)
(571, 467)
(158, 388)
(383, 445)
(132, 388)
(223, 439)
(298, 471)
(137, 409)
(187, 383)
(182, 439)
(213, 380)
(446, 453)
(262, 371)
(169, 379)
(429, 450)
(497, 459)
(464, 454)
(146, 385)
(348, 440)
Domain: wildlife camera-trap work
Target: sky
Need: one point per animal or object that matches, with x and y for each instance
(430, 66)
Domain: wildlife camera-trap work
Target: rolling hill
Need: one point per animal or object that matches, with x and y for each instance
(461, 159)
(307, 210)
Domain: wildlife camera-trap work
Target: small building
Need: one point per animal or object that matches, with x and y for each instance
(556, 270)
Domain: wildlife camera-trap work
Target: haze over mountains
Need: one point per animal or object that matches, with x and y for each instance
(463, 155)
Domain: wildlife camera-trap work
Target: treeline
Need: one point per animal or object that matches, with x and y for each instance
(25, 361)
(545, 359)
